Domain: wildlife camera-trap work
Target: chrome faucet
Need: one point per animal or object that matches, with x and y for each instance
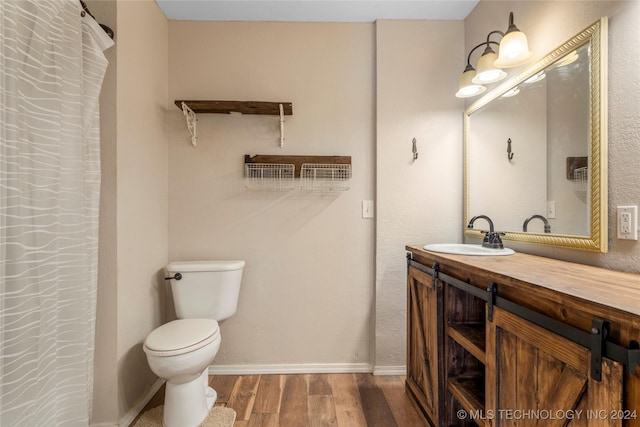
(547, 226)
(491, 238)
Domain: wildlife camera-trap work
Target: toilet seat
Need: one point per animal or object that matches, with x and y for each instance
(181, 336)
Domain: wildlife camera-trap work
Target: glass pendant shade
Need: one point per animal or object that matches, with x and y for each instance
(467, 87)
(514, 50)
(487, 72)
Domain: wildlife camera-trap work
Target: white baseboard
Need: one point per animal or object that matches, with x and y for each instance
(303, 368)
(390, 370)
(128, 418)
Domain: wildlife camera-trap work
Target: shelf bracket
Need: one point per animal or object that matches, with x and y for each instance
(281, 107)
(191, 118)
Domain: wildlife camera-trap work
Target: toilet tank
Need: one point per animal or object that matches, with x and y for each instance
(207, 289)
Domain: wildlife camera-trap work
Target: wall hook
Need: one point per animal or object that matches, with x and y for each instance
(414, 149)
(509, 153)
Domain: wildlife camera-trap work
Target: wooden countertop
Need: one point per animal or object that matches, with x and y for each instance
(608, 288)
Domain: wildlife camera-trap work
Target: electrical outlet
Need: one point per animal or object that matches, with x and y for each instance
(628, 222)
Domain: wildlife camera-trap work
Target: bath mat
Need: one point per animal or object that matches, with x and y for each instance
(219, 416)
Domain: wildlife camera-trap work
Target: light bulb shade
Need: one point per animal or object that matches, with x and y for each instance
(514, 50)
(467, 87)
(487, 72)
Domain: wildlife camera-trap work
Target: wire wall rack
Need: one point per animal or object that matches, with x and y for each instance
(269, 177)
(325, 177)
(281, 172)
(581, 179)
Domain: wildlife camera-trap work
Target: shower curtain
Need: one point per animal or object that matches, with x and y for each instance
(51, 70)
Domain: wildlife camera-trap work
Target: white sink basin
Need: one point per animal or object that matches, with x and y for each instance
(465, 249)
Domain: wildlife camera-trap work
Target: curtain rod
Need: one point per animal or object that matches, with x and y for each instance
(106, 29)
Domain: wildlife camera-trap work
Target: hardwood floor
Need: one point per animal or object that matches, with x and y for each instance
(314, 400)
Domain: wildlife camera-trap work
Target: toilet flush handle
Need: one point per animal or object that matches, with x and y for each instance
(177, 276)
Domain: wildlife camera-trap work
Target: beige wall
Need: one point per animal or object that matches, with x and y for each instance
(547, 25)
(418, 202)
(134, 216)
(105, 404)
(142, 189)
(306, 300)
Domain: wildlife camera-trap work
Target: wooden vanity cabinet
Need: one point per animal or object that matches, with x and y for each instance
(477, 323)
(424, 378)
(535, 375)
(445, 348)
(465, 357)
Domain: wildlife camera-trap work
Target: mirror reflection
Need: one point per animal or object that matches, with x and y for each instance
(520, 144)
(529, 150)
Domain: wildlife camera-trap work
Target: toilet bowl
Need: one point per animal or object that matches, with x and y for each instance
(204, 293)
(180, 352)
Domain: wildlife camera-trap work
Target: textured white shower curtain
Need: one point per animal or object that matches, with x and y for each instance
(51, 71)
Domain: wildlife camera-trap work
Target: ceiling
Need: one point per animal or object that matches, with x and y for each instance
(314, 10)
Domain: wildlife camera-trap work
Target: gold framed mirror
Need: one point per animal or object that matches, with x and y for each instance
(537, 161)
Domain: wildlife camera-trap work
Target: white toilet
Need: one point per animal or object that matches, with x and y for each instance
(204, 292)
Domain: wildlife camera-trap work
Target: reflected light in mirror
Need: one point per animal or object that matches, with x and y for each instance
(569, 59)
(512, 92)
(536, 78)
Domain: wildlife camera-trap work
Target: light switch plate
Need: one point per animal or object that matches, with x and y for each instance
(367, 209)
(551, 209)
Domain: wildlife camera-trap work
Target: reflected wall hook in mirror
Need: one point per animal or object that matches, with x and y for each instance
(414, 149)
(509, 153)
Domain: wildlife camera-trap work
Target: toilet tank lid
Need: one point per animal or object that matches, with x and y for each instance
(190, 266)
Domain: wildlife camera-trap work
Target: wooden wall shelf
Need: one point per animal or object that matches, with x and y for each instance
(574, 163)
(244, 107)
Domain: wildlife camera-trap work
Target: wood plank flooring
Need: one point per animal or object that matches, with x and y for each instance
(314, 400)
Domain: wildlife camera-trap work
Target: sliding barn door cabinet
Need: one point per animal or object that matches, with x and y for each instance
(521, 340)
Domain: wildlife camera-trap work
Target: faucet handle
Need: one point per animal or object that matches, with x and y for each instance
(495, 242)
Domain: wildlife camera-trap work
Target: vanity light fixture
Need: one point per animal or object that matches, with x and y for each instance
(513, 51)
